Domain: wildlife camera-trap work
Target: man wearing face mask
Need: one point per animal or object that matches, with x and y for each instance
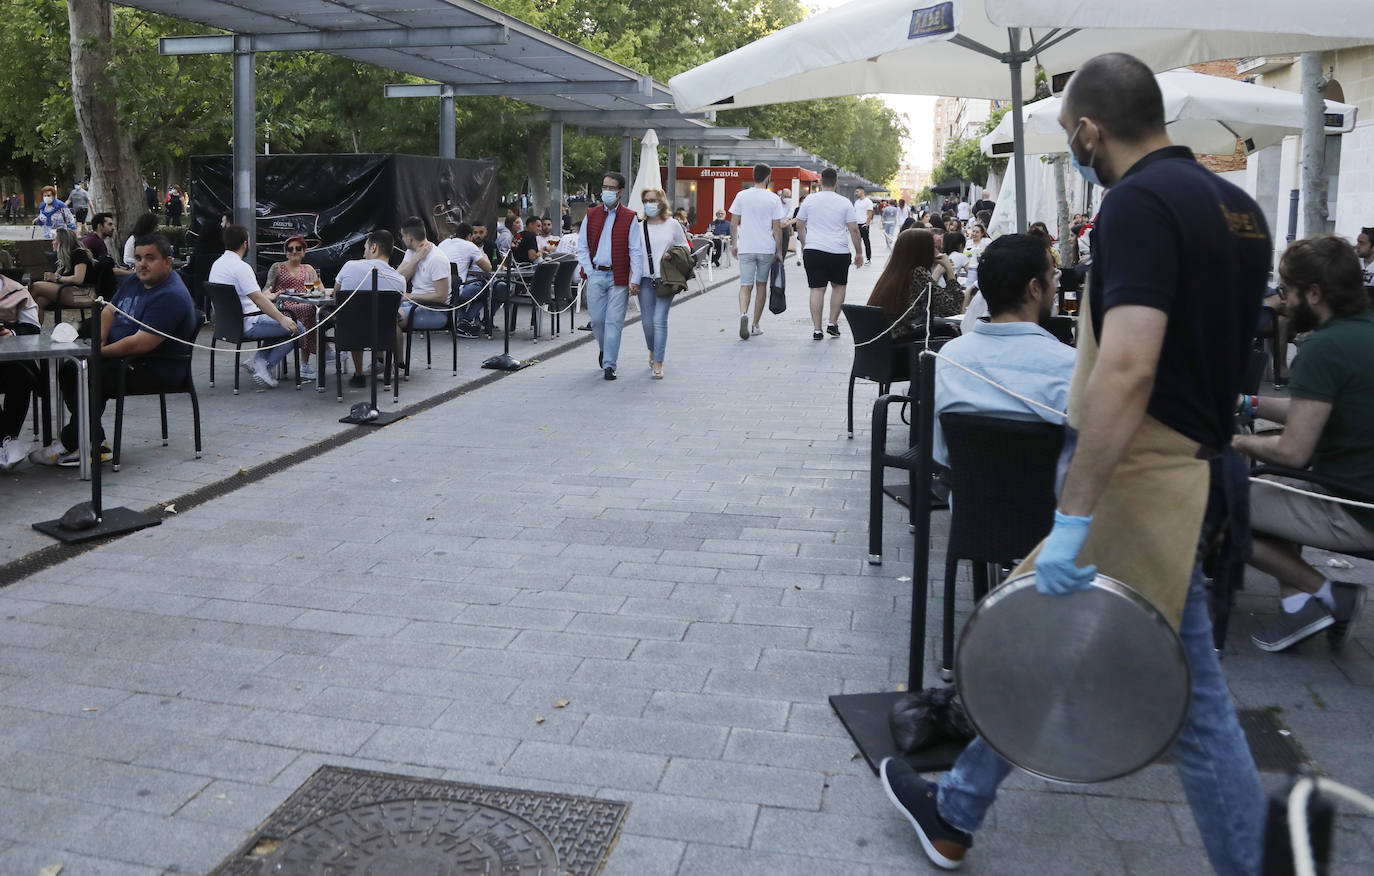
(610, 251)
(1180, 261)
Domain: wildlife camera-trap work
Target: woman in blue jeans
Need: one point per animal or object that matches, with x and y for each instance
(660, 234)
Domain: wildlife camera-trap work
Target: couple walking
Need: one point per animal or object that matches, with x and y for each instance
(622, 256)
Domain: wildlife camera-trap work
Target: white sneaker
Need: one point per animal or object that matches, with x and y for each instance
(756, 331)
(12, 452)
(47, 455)
(308, 372)
(744, 326)
(262, 374)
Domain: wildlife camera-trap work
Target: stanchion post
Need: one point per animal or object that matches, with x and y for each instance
(920, 512)
(375, 339)
(94, 402)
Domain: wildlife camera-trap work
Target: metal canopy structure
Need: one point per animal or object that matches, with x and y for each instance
(465, 47)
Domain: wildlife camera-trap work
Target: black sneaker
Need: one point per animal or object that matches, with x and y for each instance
(833, 329)
(818, 335)
(609, 373)
(915, 798)
(1290, 628)
(1349, 603)
(466, 330)
(357, 381)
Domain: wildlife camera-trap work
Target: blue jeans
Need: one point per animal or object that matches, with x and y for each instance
(1213, 760)
(472, 311)
(606, 303)
(425, 318)
(264, 328)
(654, 317)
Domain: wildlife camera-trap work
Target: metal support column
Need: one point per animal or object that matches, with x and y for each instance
(245, 142)
(1018, 128)
(672, 173)
(556, 175)
(447, 124)
(627, 149)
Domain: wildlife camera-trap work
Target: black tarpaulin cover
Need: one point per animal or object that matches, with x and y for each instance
(335, 201)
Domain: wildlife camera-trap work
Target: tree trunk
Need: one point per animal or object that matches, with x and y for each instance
(114, 163)
(1314, 181)
(1061, 201)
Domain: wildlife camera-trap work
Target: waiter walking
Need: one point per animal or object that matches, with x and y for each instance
(1180, 261)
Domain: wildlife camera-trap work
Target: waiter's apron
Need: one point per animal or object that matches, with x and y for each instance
(1145, 526)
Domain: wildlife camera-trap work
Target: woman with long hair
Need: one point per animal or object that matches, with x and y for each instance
(70, 283)
(659, 234)
(911, 282)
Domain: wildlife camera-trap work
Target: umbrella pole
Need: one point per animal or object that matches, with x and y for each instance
(1018, 128)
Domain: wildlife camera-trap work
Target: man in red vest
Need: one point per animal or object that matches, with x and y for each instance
(611, 253)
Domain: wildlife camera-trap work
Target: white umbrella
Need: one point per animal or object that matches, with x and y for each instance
(650, 175)
(1339, 19)
(952, 47)
(1205, 113)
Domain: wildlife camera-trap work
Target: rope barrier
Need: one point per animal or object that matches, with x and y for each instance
(291, 340)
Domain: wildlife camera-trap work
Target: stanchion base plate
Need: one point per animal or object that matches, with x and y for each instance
(865, 717)
(382, 419)
(505, 362)
(115, 521)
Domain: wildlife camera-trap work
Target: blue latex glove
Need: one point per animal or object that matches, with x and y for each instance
(1055, 572)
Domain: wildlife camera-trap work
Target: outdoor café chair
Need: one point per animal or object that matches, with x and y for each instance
(228, 327)
(1001, 486)
(187, 387)
(450, 326)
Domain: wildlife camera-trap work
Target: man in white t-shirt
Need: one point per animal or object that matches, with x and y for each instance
(427, 269)
(963, 211)
(357, 274)
(863, 215)
(826, 226)
(756, 242)
(463, 251)
(262, 321)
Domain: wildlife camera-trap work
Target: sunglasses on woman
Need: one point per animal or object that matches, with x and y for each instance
(295, 249)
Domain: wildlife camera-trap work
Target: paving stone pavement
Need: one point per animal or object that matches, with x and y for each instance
(681, 561)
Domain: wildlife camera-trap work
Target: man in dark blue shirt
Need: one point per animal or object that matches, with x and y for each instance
(156, 297)
(1180, 259)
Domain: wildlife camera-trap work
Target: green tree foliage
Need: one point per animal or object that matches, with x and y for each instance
(179, 106)
(964, 158)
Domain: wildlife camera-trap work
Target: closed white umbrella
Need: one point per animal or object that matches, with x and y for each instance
(955, 48)
(1208, 114)
(650, 175)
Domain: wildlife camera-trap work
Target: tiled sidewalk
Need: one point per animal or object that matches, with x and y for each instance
(682, 561)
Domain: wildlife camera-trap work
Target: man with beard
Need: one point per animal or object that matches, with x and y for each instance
(1329, 426)
(1017, 280)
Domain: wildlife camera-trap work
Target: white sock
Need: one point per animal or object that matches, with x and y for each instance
(1326, 595)
(1294, 603)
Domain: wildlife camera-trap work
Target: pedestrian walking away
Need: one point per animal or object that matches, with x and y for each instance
(1180, 262)
(660, 234)
(825, 229)
(611, 253)
(863, 216)
(756, 242)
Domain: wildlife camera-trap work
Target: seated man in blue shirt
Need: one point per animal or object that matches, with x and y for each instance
(720, 230)
(155, 296)
(1017, 280)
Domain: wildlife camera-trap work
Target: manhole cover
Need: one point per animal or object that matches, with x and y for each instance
(345, 822)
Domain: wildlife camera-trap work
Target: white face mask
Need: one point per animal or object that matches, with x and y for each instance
(47, 199)
(651, 209)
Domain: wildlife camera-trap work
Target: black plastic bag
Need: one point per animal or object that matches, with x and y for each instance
(927, 718)
(777, 288)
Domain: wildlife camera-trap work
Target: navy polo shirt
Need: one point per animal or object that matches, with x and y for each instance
(1174, 236)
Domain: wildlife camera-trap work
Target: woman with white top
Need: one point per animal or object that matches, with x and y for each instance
(660, 234)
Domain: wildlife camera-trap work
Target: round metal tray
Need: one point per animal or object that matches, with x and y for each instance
(1080, 688)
